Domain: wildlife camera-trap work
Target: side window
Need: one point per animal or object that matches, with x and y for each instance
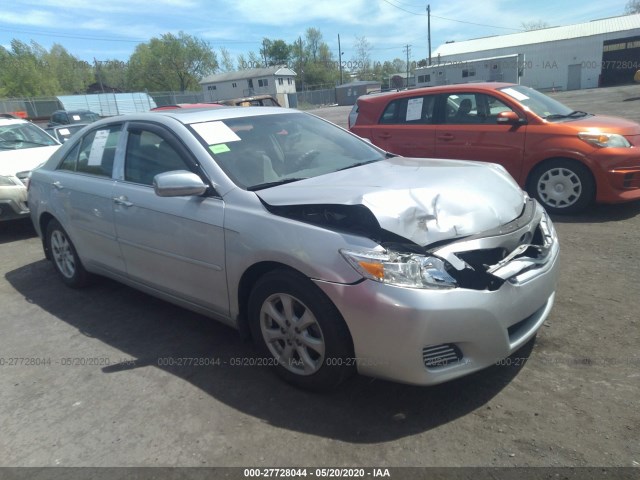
(69, 162)
(462, 108)
(469, 108)
(97, 151)
(418, 110)
(494, 107)
(147, 155)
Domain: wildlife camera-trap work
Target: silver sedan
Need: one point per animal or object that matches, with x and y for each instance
(334, 255)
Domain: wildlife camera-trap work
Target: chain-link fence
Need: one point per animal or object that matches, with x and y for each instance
(108, 104)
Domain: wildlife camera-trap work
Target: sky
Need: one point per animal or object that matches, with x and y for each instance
(111, 29)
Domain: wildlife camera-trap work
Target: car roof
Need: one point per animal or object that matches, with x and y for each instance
(197, 115)
(469, 87)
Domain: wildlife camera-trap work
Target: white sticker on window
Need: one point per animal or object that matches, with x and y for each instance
(515, 94)
(76, 117)
(97, 147)
(214, 133)
(414, 109)
(64, 131)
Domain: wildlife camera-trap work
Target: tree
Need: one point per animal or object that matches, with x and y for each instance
(313, 39)
(72, 74)
(534, 25)
(633, 6)
(171, 63)
(279, 53)
(24, 71)
(362, 59)
(226, 62)
(113, 73)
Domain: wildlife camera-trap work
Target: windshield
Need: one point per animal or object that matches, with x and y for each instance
(17, 136)
(538, 103)
(263, 151)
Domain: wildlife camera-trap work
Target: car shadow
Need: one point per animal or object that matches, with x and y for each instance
(152, 332)
(602, 214)
(15, 230)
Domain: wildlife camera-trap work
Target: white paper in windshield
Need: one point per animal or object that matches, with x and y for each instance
(76, 118)
(214, 133)
(64, 131)
(97, 147)
(414, 109)
(515, 94)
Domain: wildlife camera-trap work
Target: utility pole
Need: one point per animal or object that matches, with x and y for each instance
(340, 59)
(429, 30)
(408, 50)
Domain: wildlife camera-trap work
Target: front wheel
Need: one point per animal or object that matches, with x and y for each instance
(297, 327)
(562, 186)
(64, 256)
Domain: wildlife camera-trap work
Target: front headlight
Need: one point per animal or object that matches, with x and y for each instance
(603, 140)
(400, 269)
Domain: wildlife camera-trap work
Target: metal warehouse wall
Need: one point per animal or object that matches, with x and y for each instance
(557, 65)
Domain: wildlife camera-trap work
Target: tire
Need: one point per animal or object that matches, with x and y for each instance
(64, 256)
(562, 186)
(300, 331)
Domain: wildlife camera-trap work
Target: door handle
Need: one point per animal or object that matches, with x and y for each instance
(57, 185)
(446, 137)
(122, 200)
(384, 136)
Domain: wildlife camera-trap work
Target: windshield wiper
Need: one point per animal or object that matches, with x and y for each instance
(359, 164)
(574, 114)
(260, 186)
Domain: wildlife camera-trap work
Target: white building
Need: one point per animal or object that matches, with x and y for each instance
(276, 81)
(586, 55)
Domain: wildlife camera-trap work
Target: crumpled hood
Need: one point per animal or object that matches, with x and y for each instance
(422, 200)
(14, 161)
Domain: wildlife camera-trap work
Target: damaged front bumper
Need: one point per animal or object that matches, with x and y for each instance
(506, 283)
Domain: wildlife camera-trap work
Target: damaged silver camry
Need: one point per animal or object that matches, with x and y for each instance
(335, 256)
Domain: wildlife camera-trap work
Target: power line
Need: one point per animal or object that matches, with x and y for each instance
(450, 19)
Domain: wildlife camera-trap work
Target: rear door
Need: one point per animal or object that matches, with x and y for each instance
(81, 192)
(406, 127)
(468, 130)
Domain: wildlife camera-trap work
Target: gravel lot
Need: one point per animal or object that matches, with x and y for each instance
(92, 377)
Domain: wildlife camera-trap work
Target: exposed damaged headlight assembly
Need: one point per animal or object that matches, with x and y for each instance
(401, 269)
(6, 181)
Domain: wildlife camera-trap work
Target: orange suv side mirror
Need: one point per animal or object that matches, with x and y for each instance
(510, 117)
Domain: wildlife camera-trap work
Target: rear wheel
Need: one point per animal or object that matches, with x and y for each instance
(300, 331)
(64, 256)
(562, 186)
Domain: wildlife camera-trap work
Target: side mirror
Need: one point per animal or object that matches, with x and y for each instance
(511, 118)
(178, 183)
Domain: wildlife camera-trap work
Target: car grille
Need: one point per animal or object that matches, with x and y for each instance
(439, 356)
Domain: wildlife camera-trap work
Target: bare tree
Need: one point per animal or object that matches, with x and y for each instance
(226, 62)
(633, 6)
(534, 25)
(362, 59)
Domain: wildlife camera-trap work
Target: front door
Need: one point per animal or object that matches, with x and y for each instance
(468, 130)
(172, 244)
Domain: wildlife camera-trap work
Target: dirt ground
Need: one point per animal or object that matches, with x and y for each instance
(111, 393)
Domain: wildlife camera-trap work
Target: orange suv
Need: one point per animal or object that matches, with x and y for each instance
(564, 158)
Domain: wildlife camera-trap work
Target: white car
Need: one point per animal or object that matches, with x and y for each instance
(23, 146)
